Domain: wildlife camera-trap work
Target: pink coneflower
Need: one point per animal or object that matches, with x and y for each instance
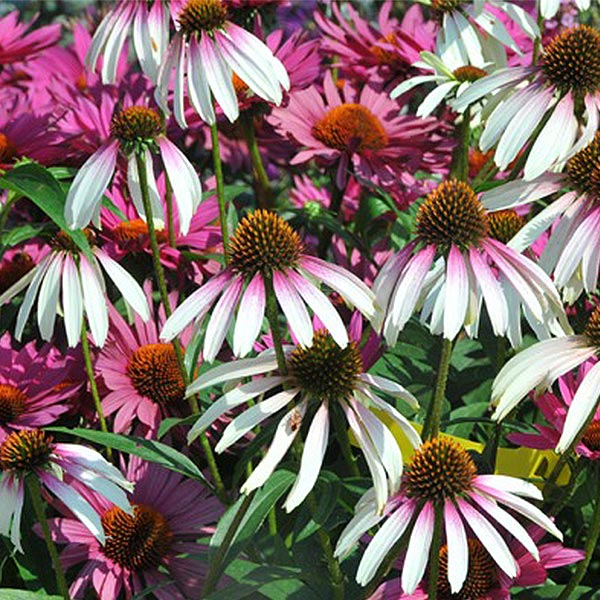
(538, 367)
(18, 261)
(63, 470)
(362, 51)
(150, 32)
(17, 45)
(76, 278)
(567, 76)
(573, 247)
(32, 393)
(361, 132)
(442, 476)
(154, 547)
(205, 52)
(135, 131)
(325, 382)
(141, 373)
(554, 408)
(485, 581)
(265, 247)
(452, 222)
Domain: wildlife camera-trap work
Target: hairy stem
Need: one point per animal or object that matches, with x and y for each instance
(434, 552)
(434, 415)
(264, 193)
(218, 168)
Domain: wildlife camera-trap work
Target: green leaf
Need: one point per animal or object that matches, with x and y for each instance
(20, 234)
(10, 594)
(149, 450)
(43, 189)
(264, 499)
(167, 424)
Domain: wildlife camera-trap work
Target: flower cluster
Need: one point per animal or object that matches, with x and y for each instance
(300, 299)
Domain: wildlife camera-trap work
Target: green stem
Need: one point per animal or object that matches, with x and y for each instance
(216, 563)
(218, 168)
(89, 370)
(264, 193)
(40, 514)
(273, 318)
(590, 546)
(11, 198)
(342, 436)
(164, 295)
(434, 553)
(434, 415)
(559, 503)
(170, 220)
(459, 168)
(337, 196)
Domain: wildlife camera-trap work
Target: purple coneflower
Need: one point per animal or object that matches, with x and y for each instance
(154, 546)
(442, 476)
(68, 270)
(538, 367)
(326, 382)
(549, 93)
(61, 470)
(135, 131)
(206, 52)
(264, 247)
(452, 222)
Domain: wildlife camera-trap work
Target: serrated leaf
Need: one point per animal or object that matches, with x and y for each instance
(39, 185)
(149, 450)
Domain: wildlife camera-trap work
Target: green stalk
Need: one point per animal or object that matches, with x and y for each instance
(40, 514)
(342, 436)
(89, 370)
(337, 196)
(218, 168)
(459, 169)
(273, 319)
(164, 295)
(264, 193)
(170, 221)
(434, 553)
(216, 564)
(434, 415)
(590, 546)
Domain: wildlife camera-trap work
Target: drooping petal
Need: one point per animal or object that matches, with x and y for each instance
(293, 308)
(72, 301)
(417, 553)
(458, 549)
(250, 316)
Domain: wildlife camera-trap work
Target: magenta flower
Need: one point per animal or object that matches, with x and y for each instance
(141, 373)
(549, 92)
(67, 471)
(18, 261)
(150, 32)
(485, 581)
(554, 408)
(475, 266)
(17, 45)
(155, 546)
(32, 393)
(264, 247)
(361, 132)
(443, 475)
(573, 244)
(325, 381)
(136, 130)
(205, 53)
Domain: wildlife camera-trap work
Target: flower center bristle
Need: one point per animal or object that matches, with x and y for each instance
(241, 88)
(12, 270)
(133, 230)
(452, 214)
(7, 149)
(481, 577)
(202, 15)
(439, 469)
(385, 56)
(136, 128)
(264, 242)
(12, 402)
(445, 5)
(591, 437)
(571, 60)
(592, 328)
(154, 373)
(63, 241)
(25, 450)
(584, 168)
(325, 370)
(351, 128)
(505, 224)
(468, 73)
(137, 542)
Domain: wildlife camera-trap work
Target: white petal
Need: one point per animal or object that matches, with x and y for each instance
(293, 308)
(417, 553)
(94, 301)
(458, 548)
(32, 290)
(134, 185)
(457, 293)
(48, 298)
(250, 316)
(72, 301)
(198, 90)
